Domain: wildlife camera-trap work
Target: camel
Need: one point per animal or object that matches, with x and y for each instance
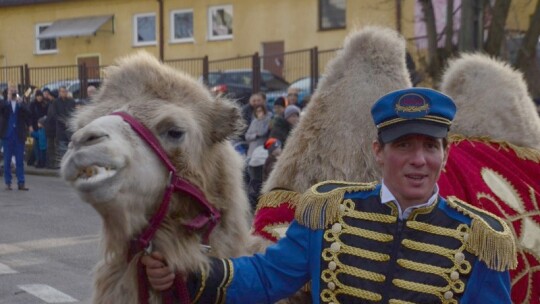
(336, 132)
(116, 172)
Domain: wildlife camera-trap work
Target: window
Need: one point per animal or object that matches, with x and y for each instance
(332, 14)
(44, 46)
(182, 26)
(220, 22)
(144, 29)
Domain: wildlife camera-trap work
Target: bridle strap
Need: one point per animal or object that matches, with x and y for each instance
(209, 218)
(211, 215)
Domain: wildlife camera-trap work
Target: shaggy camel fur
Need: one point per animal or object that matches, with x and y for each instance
(333, 138)
(492, 100)
(120, 176)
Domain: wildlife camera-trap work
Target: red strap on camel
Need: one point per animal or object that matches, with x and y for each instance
(208, 219)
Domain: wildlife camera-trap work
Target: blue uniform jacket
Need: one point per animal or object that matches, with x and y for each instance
(296, 259)
(303, 256)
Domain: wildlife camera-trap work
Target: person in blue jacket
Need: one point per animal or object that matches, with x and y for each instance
(397, 241)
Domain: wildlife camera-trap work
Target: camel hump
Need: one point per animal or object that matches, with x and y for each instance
(490, 238)
(319, 206)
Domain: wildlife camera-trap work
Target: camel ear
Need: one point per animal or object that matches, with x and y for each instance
(226, 120)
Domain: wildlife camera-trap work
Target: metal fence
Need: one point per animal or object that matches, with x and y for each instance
(290, 66)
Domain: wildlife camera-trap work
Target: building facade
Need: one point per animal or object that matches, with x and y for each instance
(43, 33)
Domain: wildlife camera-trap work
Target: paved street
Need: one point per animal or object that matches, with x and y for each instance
(48, 244)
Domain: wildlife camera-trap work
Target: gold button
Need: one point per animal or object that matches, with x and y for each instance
(336, 228)
(459, 257)
(332, 265)
(331, 285)
(335, 247)
(448, 295)
(454, 275)
(342, 208)
(465, 236)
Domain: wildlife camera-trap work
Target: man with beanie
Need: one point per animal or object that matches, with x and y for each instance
(283, 125)
(393, 241)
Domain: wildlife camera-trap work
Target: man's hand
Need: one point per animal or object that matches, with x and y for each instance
(159, 275)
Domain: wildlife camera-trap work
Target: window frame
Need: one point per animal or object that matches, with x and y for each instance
(135, 30)
(320, 18)
(37, 48)
(210, 13)
(172, 26)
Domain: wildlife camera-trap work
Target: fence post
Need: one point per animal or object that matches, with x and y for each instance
(21, 85)
(205, 69)
(314, 69)
(83, 80)
(27, 82)
(256, 71)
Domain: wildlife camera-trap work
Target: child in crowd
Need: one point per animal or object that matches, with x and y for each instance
(273, 145)
(39, 136)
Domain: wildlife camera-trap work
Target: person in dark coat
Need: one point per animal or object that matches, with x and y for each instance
(282, 126)
(62, 109)
(38, 109)
(15, 121)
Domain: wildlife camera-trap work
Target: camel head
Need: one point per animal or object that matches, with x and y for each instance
(116, 172)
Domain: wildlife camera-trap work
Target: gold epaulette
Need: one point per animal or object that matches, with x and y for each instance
(490, 237)
(319, 206)
(276, 197)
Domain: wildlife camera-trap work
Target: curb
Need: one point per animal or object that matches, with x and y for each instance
(34, 171)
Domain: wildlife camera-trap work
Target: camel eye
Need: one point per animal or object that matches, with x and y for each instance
(175, 133)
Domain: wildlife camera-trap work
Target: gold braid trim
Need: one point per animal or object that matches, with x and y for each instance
(328, 295)
(317, 210)
(496, 249)
(228, 274)
(276, 197)
(202, 287)
(394, 301)
(434, 290)
(521, 152)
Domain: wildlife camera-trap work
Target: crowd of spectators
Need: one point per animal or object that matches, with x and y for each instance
(266, 134)
(45, 125)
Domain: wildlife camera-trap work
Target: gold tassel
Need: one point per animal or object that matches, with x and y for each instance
(496, 248)
(317, 210)
(521, 152)
(276, 197)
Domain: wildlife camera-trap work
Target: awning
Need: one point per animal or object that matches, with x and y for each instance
(82, 26)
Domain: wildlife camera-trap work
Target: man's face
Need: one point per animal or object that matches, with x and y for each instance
(47, 95)
(411, 166)
(62, 92)
(292, 96)
(12, 89)
(255, 101)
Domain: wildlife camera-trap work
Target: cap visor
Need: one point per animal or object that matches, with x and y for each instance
(395, 131)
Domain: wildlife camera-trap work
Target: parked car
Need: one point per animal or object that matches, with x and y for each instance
(237, 84)
(73, 86)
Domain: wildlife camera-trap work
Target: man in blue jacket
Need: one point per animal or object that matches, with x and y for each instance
(15, 121)
(396, 241)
